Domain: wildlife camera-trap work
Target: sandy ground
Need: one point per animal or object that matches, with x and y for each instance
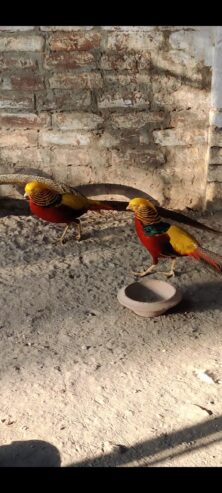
(84, 381)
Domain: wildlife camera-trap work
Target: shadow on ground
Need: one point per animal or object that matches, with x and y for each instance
(169, 446)
(31, 453)
(37, 453)
(14, 207)
(200, 297)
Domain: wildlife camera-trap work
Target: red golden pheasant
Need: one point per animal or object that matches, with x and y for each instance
(59, 203)
(65, 208)
(162, 239)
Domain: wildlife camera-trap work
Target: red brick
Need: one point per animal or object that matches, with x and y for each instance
(70, 61)
(131, 90)
(215, 173)
(74, 41)
(126, 91)
(177, 62)
(13, 29)
(24, 120)
(63, 100)
(146, 160)
(118, 61)
(25, 155)
(133, 99)
(214, 194)
(188, 117)
(126, 139)
(216, 138)
(180, 136)
(77, 156)
(128, 28)
(128, 81)
(170, 94)
(21, 43)
(108, 140)
(76, 81)
(126, 61)
(139, 41)
(16, 101)
(136, 120)
(76, 121)
(18, 139)
(8, 61)
(164, 84)
(23, 82)
(215, 156)
(73, 138)
(66, 28)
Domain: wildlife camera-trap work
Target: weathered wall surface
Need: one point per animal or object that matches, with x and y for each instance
(214, 181)
(129, 105)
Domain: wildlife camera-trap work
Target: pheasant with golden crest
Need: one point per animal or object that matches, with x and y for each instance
(164, 240)
(58, 203)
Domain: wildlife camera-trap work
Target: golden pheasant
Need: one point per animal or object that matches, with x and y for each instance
(58, 203)
(162, 239)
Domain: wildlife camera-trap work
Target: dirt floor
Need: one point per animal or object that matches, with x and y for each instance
(84, 381)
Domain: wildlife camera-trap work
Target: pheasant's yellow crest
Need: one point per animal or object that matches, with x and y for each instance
(140, 202)
(144, 210)
(34, 185)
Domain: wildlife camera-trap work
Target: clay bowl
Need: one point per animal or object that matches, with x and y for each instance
(149, 297)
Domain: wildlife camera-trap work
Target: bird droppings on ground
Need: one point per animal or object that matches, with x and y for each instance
(79, 371)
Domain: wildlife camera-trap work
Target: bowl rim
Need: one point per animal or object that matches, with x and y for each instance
(154, 305)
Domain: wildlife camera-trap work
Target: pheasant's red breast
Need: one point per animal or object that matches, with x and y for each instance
(158, 245)
(60, 214)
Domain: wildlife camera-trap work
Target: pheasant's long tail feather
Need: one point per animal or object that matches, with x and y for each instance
(22, 179)
(212, 259)
(182, 218)
(109, 205)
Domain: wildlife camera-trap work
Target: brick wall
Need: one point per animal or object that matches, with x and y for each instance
(128, 105)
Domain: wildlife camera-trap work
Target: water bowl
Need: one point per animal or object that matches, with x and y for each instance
(149, 297)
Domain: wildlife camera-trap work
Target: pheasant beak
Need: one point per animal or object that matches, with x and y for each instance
(26, 196)
(128, 208)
